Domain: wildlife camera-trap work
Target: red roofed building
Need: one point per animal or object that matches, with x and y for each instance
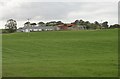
(71, 26)
(63, 27)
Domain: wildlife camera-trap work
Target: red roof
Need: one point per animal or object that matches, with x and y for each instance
(66, 25)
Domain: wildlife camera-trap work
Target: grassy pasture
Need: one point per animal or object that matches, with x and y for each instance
(61, 54)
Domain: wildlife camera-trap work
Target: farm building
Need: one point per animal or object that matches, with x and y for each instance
(71, 27)
(37, 28)
(33, 27)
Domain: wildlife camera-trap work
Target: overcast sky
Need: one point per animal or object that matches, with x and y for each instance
(54, 11)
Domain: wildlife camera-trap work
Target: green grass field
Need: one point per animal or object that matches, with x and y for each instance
(61, 54)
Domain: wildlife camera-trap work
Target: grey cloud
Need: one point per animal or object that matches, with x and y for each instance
(45, 10)
(61, 10)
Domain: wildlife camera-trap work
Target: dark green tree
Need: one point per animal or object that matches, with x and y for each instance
(11, 26)
(41, 23)
(105, 24)
(97, 25)
(115, 26)
(33, 24)
(52, 23)
(77, 22)
(87, 24)
(59, 22)
(82, 22)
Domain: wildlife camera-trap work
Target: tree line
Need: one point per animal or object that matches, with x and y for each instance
(11, 25)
